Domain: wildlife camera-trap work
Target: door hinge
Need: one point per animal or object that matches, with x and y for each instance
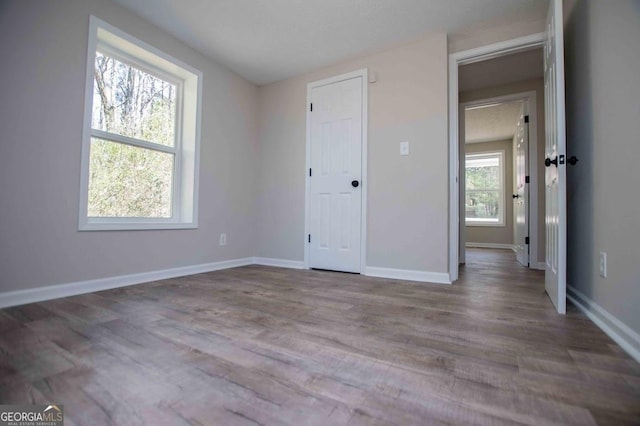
(309, 171)
(526, 179)
(309, 237)
(526, 118)
(526, 240)
(311, 107)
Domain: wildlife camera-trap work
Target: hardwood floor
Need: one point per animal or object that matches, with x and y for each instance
(262, 345)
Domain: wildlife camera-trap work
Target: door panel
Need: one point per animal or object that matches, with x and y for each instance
(521, 190)
(555, 150)
(336, 161)
(325, 220)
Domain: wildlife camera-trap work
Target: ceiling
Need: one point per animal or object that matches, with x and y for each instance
(491, 123)
(270, 40)
(502, 70)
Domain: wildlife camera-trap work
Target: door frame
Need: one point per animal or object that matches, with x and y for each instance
(530, 100)
(455, 60)
(363, 73)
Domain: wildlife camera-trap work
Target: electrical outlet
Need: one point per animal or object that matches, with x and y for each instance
(603, 264)
(223, 239)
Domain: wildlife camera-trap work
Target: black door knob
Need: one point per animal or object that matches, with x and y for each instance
(515, 196)
(572, 160)
(548, 162)
(355, 183)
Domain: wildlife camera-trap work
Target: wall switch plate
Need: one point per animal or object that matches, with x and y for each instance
(223, 239)
(603, 264)
(404, 148)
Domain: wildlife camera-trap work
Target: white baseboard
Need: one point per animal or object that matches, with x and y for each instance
(490, 245)
(21, 297)
(281, 263)
(621, 333)
(32, 295)
(540, 266)
(407, 274)
(399, 274)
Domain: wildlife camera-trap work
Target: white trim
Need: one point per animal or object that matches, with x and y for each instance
(134, 224)
(502, 48)
(456, 59)
(491, 139)
(477, 224)
(408, 275)
(363, 73)
(619, 332)
(137, 143)
(280, 263)
(491, 246)
(365, 160)
(541, 266)
(39, 294)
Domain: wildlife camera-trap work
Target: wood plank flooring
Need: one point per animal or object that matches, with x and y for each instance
(262, 345)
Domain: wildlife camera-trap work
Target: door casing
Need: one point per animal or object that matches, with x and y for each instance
(364, 184)
(455, 60)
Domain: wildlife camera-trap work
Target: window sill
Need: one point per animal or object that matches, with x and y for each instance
(486, 224)
(134, 226)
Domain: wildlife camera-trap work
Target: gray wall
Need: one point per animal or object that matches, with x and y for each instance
(44, 51)
(407, 196)
(495, 234)
(482, 34)
(603, 111)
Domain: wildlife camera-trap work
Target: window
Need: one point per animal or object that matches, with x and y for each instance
(141, 136)
(484, 193)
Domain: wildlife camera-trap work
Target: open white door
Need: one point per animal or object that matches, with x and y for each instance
(521, 189)
(555, 153)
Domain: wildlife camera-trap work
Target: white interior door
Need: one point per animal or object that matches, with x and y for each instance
(335, 175)
(555, 152)
(521, 189)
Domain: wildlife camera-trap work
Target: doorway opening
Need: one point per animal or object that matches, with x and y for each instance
(499, 184)
(555, 224)
(500, 133)
(497, 75)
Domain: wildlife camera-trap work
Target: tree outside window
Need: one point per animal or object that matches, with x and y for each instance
(141, 136)
(129, 179)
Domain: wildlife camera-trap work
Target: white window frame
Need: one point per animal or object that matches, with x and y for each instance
(114, 42)
(501, 195)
